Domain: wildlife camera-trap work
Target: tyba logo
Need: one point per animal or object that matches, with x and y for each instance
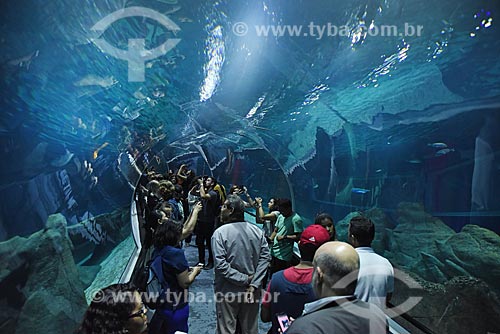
(136, 55)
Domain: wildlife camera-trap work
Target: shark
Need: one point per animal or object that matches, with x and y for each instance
(24, 61)
(95, 80)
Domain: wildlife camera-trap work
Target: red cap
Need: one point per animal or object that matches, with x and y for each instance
(315, 235)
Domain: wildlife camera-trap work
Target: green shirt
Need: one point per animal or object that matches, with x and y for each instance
(283, 249)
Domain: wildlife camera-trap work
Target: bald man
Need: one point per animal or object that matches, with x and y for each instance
(337, 310)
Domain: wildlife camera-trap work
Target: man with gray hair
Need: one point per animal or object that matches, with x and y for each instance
(337, 310)
(241, 256)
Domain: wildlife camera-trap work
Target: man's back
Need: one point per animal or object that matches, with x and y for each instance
(289, 290)
(242, 246)
(345, 318)
(375, 278)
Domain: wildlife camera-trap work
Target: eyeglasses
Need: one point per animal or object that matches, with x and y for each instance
(140, 313)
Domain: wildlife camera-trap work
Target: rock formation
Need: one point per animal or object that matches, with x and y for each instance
(461, 305)
(458, 272)
(43, 292)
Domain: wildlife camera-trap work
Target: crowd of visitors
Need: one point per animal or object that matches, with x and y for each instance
(335, 287)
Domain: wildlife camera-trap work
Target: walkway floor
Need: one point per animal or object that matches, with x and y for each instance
(202, 308)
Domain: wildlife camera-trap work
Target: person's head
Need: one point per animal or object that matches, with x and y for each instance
(179, 192)
(272, 204)
(116, 309)
(194, 185)
(209, 182)
(154, 187)
(156, 177)
(310, 240)
(285, 207)
(233, 209)
(235, 189)
(336, 266)
(155, 218)
(167, 190)
(325, 220)
(169, 173)
(361, 232)
(151, 175)
(167, 234)
(166, 208)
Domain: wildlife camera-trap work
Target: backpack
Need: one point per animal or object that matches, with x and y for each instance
(156, 287)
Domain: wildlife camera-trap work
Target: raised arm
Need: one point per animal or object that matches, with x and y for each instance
(203, 193)
(259, 209)
(190, 223)
(261, 216)
(249, 198)
(181, 172)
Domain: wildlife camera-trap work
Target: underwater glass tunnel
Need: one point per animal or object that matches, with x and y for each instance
(390, 108)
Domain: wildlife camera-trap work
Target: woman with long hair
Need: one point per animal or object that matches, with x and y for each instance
(173, 315)
(268, 219)
(325, 220)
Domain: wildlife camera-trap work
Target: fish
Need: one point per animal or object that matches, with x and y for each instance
(168, 2)
(96, 152)
(378, 171)
(414, 161)
(360, 190)
(139, 95)
(444, 151)
(130, 113)
(261, 128)
(94, 80)
(174, 9)
(157, 93)
(185, 19)
(437, 145)
(24, 61)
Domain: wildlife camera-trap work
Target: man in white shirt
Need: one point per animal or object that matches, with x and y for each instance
(376, 274)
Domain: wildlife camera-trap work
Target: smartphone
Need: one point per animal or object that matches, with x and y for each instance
(283, 321)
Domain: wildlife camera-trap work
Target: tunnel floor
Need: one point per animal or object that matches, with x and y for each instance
(202, 310)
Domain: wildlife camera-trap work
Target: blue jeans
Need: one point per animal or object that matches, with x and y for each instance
(166, 321)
